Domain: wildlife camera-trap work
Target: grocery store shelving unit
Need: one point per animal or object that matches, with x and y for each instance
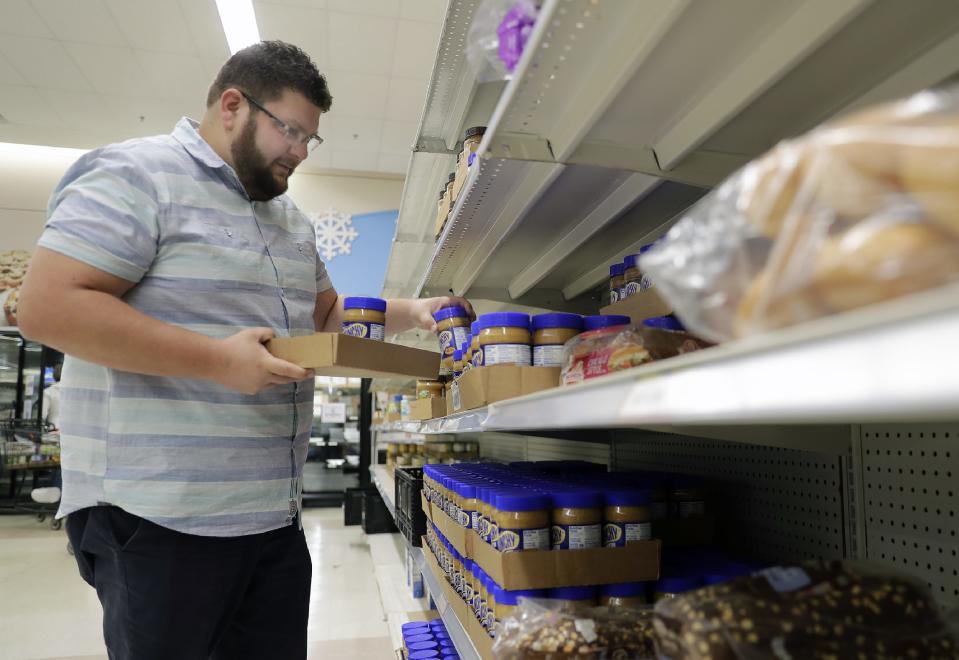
(836, 438)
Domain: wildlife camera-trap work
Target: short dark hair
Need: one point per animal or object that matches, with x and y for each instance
(265, 69)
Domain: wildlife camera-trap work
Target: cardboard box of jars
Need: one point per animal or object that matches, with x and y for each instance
(637, 561)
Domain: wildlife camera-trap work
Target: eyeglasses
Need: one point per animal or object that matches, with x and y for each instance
(292, 135)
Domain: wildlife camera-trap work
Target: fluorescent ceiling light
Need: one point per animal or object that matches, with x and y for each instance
(239, 23)
(18, 155)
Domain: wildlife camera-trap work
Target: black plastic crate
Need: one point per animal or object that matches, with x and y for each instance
(413, 528)
(409, 485)
(376, 517)
(353, 505)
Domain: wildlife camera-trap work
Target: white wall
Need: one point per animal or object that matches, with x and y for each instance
(28, 176)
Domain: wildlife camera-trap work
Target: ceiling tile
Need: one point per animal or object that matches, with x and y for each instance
(395, 163)
(398, 137)
(25, 105)
(358, 94)
(318, 159)
(415, 49)
(362, 43)
(310, 4)
(9, 75)
(151, 25)
(111, 70)
(174, 75)
(304, 27)
(354, 160)
(83, 110)
(353, 134)
(203, 20)
(21, 18)
(155, 116)
(386, 8)
(423, 10)
(406, 98)
(87, 21)
(43, 63)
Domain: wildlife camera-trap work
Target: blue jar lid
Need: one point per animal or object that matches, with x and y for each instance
(624, 590)
(506, 597)
(423, 646)
(646, 248)
(398, 397)
(628, 497)
(441, 634)
(457, 355)
(416, 639)
(466, 344)
(453, 312)
(376, 304)
(467, 491)
(453, 656)
(676, 585)
(669, 322)
(519, 500)
(557, 320)
(436, 622)
(414, 625)
(608, 321)
(617, 269)
(505, 319)
(576, 498)
(447, 644)
(424, 655)
(630, 261)
(474, 328)
(573, 593)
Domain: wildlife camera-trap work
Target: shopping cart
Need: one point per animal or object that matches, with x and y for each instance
(28, 448)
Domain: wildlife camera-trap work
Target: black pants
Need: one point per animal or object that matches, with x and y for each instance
(168, 595)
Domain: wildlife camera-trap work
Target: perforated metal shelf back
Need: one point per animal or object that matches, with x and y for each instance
(782, 504)
(910, 475)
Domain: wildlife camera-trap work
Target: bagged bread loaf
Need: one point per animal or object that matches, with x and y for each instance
(859, 211)
(815, 610)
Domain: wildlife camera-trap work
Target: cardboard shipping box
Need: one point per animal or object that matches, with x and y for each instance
(333, 354)
(640, 306)
(423, 409)
(639, 561)
(485, 385)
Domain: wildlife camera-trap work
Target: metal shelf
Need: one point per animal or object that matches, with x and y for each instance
(386, 486)
(455, 627)
(880, 364)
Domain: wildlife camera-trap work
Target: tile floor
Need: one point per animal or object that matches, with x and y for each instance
(47, 612)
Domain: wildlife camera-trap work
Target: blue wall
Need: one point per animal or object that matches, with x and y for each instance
(361, 273)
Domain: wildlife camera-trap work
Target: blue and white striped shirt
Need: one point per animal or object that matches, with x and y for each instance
(168, 214)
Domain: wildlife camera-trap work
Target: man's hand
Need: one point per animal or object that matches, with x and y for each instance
(421, 311)
(246, 366)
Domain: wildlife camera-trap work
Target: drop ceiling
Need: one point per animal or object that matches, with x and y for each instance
(82, 73)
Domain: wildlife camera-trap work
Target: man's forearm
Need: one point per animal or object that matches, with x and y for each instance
(100, 328)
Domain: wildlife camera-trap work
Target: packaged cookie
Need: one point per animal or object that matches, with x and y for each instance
(859, 211)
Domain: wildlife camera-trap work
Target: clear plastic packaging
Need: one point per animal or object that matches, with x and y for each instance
(498, 36)
(813, 610)
(551, 630)
(603, 351)
(858, 211)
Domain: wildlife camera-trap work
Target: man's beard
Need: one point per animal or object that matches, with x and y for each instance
(251, 167)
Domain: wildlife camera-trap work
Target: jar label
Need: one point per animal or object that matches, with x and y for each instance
(478, 357)
(613, 295)
(455, 396)
(577, 537)
(493, 533)
(513, 540)
(474, 523)
(465, 518)
(483, 529)
(548, 356)
(518, 354)
(617, 535)
(363, 330)
(451, 339)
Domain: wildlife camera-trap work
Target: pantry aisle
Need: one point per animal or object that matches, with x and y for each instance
(47, 612)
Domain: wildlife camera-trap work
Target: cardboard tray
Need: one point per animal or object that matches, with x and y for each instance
(423, 409)
(639, 307)
(482, 386)
(542, 569)
(333, 354)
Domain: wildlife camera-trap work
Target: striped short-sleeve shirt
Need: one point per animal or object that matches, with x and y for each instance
(168, 214)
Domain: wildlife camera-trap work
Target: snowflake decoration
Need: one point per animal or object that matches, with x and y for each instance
(334, 233)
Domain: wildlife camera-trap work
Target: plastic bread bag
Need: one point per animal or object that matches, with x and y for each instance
(858, 211)
(812, 610)
(497, 37)
(556, 630)
(599, 352)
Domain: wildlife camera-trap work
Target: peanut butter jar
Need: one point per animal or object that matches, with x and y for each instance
(505, 339)
(365, 318)
(577, 519)
(575, 595)
(550, 334)
(452, 324)
(523, 521)
(508, 601)
(627, 517)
